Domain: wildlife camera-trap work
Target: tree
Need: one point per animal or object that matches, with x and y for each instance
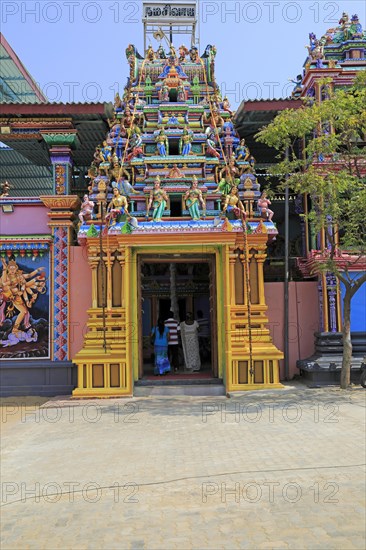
(322, 151)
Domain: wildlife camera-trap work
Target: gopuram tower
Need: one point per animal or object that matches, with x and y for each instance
(171, 221)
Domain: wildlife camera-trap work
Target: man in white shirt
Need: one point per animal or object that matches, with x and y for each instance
(173, 345)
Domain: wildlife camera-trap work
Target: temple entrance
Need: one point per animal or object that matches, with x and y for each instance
(189, 283)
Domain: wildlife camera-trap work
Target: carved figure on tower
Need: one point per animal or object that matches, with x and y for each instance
(135, 146)
(5, 188)
(214, 120)
(161, 52)
(150, 54)
(117, 209)
(193, 198)
(87, 208)
(211, 144)
(105, 155)
(242, 151)
(164, 93)
(185, 142)
(194, 55)
(229, 177)
(181, 92)
(183, 52)
(263, 204)
(162, 143)
(226, 105)
(158, 200)
(233, 207)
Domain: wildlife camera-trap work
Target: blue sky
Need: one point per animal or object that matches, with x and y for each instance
(75, 49)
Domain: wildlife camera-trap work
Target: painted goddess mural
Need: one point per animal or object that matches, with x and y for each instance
(19, 292)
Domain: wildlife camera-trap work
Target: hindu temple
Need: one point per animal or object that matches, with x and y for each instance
(172, 215)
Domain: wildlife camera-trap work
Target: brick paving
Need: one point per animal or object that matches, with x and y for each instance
(269, 470)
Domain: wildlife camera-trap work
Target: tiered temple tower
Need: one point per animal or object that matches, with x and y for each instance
(173, 182)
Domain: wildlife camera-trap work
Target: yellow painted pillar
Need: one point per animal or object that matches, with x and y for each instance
(93, 262)
(260, 259)
(232, 261)
(122, 260)
(107, 261)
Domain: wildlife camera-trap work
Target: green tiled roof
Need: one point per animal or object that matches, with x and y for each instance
(16, 84)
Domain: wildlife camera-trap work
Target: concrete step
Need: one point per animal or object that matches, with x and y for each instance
(199, 390)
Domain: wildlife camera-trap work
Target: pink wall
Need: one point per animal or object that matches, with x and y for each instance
(303, 319)
(26, 219)
(303, 311)
(80, 297)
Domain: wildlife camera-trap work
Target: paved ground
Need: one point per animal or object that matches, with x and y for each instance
(270, 470)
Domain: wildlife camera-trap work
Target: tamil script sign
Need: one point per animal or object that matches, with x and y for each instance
(169, 12)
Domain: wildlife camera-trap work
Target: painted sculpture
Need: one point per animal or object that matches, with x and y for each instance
(158, 200)
(87, 208)
(263, 204)
(233, 207)
(162, 143)
(185, 142)
(193, 198)
(117, 210)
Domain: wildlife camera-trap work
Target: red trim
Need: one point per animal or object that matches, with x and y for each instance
(273, 105)
(52, 108)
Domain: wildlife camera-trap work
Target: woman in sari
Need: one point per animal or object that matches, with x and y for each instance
(160, 339)
(189, 333)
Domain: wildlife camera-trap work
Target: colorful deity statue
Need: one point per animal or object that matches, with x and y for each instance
(164, 93)
(117, 103)
(185, 142)
(162, 143)
(158, 200)
(193, 198)
(229, 177)
(316, 50)
(181, 92)
(127, 119)
(5, 188)
(233, 207)
(242, 151)
(135, 146)
(214, 120)
(263, 204)
(117, 209)
(211, 146)
(355, 30)
(193, 54)
(183, 52)
(226, 105)
(150, 54)
(175, 173)
(87, 209)
(19, 291)
(105, 155)
(161, 52)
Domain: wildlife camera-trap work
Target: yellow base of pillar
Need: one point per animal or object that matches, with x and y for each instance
(255, 387)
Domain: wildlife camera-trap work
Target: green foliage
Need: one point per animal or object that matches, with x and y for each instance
(335, 129)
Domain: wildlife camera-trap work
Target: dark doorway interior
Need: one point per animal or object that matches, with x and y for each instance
(193, 289)
(175, 206)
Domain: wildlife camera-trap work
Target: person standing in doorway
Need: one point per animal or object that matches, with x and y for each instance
(173, 344)
(204, 336)
(189, 333)
(160, 339)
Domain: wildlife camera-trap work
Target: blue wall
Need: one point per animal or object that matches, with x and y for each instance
(358, 306)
